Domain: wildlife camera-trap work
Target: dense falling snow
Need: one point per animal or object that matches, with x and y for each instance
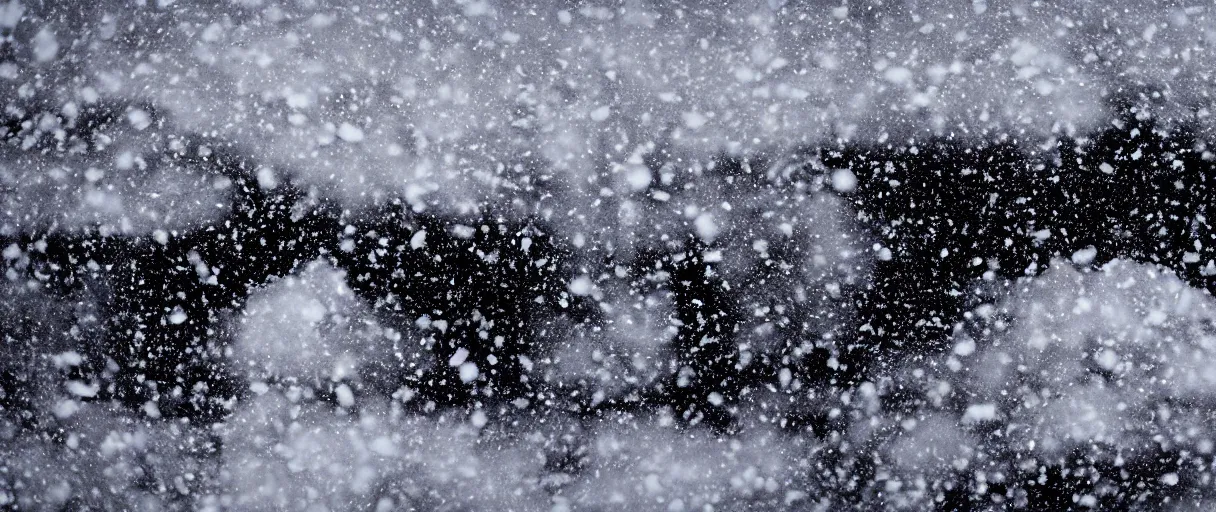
(461, 255)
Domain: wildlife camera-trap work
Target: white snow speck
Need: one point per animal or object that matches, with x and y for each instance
(600, 114)
(178, 316)
(638, 177)
(478, 418)
(212, 33)
(653, 486)
(139, 119)
(468, 372)
(160, 236)
(581, 285)
(898, 75)
(383, 446)
(45, 45)
(125, 161)
(1107, 359)
(1156, 317)
(79, 388)
(459, 357)
(259, 388)
(965, 347)
(1085, 256)
(979, 412)
(346, 397)
(707, 229)
(793, 496)
(1169, 479)
(694, 120)
(844, 181)
(479, 8)
(67, 359)
(267, 178)
(65, 408)
(418, 241)
(298, 100)
(10, 14)
(350, 133)
(1107, 168)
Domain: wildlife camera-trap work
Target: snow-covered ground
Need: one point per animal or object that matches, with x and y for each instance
(574, 255)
